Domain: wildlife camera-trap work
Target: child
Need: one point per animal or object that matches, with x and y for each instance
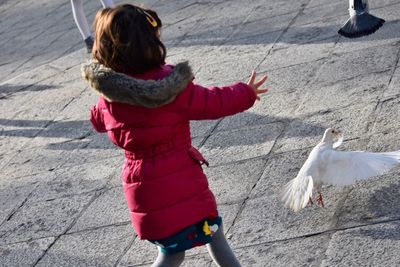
(145, 107)
(81, 22)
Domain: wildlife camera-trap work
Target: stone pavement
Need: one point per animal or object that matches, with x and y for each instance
(61, 202)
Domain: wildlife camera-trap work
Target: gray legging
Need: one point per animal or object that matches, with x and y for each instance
(80, 18)
(219, 250)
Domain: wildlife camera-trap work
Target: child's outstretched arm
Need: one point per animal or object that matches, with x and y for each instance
(203, 103)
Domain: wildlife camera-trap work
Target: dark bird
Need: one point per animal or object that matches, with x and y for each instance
(360, 23)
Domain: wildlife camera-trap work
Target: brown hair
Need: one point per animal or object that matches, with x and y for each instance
(127, 39)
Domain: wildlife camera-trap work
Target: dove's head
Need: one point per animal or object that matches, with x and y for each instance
(331, 135)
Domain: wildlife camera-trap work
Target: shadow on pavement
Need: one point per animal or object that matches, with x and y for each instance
(296, 35)
(389, 231)
(7, 90)
(385, 201)
(80, 131)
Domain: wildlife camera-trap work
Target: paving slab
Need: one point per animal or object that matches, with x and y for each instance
(393, 88)
(37, 160)
(76, 180)
(308, 251)
(291, 77)
(384, 141)
(284, 56)
(109, 208)
(141, 252)
(24, 253)
(365, 88)
(82, 152)
(314, 32)
(213, 30)
(318, 10)
(274, 107)
(13, 195)
(61, 201)
(233, 183)
(265, 41)
(375, 245)
(262, 30)
(272, 8)
(388, 115)
(237, 71)
(264, 219)
(42, 219)
(356, 63)
(202, 128)
(26, 81)
(386, 9)
(244, 143)
(278, 170)
(100, 247)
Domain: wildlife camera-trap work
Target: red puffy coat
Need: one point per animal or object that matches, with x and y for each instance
(165, 187)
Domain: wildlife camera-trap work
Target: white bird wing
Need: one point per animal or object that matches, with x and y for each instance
(345, 168)
(297, 192)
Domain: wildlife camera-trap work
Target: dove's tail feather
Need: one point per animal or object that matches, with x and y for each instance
(297, 193)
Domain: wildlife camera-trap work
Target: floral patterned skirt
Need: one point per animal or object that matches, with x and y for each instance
(195, 235)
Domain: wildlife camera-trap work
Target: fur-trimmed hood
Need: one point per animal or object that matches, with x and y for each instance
(119, 87)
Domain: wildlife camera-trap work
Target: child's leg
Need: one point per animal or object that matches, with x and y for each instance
(107, 3)
(221, 252)
(80, 19)
(169, 260)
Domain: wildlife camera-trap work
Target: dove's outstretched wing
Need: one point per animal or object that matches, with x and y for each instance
(345, 168)
(297, 192)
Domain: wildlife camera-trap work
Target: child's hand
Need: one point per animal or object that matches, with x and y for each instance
(256, 85)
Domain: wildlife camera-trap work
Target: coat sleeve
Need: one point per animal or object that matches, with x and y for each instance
(97, 119)
(201, 103)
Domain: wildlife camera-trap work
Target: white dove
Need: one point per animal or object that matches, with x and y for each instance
(325, 165)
